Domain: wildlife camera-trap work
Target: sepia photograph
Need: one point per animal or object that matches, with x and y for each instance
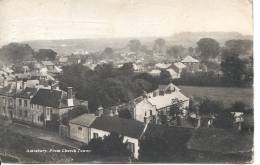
(126, 81)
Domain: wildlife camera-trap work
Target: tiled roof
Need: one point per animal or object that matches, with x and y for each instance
(48, 97)
(220, 141)
(84, 120)
(125, 127)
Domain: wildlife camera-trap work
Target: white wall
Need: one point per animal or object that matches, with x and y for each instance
(76, 135)
(143, 108)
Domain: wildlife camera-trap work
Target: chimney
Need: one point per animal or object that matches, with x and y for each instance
(99, 111)
(70, 97)
(23, 86)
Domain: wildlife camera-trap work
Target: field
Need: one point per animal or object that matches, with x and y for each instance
(227, 95)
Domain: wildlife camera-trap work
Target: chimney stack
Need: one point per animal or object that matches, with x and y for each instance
(99, 111)
(70, 97)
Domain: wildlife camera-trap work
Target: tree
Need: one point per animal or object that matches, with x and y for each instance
(159, 44)
(233, 69)
(176, 51)
(45, 54)
(134, 45)
(208, 48)
(210, 107)
(241, 47)
(165, 77)
(108, 51)
(16, 53)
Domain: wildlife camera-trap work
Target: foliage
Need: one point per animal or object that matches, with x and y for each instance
(208, 48)
(208, 106)
(165, 77)
(234, 70)
(243, 47)
(159, 44)
(109, 146)
(106, 85)
(45, 55)
(176, 51)
(199, 79)
(134, 45)
(15, 53)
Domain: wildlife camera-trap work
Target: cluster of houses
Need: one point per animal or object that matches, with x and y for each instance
(175, 69)
(34, 97)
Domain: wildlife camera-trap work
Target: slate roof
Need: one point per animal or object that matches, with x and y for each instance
(84, 120)
(27, 93)
(48, 97)
(220, 141)
(125, 127)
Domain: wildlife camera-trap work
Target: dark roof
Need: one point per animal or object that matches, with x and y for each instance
(48, 97)
(27, 93)
(125, 127)
(8, 90)
(84, 120)
(220, 141)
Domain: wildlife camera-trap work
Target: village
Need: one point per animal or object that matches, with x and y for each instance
(42, 97)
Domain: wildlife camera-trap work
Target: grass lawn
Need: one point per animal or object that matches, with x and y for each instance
(227, 95)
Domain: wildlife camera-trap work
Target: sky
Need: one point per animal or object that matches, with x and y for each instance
(23, 20)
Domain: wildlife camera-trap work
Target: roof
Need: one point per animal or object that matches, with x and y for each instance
(165, 87)
(172, 72)
(180, 65)
(9, 90)
(47, 63)
(125, 127)
(155, 71)
(48, 97)
(84, 120)
(165, 100)
(27, 93)
(189, 59)
(162, 65)
(220, 141)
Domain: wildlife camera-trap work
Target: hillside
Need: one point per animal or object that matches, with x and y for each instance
(186, 39)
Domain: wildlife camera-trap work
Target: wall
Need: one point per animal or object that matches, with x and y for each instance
(76, 136)
(143, 108)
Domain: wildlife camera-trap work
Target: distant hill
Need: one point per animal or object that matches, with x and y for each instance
(186, 39)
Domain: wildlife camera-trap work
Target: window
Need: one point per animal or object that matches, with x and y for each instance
(95, 135)
(31, 106)
(20, 113)
(144, 113)
(20, 102)
(151, 113)
(130, 147)
(25, 103)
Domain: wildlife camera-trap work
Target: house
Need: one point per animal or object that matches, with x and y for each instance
(90, 126)
(80, 127)
(23, 110)
(163, 97)
(162, 65)
(131, 130)
(155, 72)
(178, 68)
(220, 146)
(49, 65)
(174, 74)
(7, 100)
(142, 110)
(54, 104)
(191, 63)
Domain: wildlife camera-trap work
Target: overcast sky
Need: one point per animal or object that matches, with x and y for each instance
(64, 19)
